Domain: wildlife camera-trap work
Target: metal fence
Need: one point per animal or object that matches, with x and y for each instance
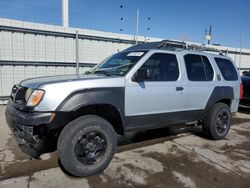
(27, 44)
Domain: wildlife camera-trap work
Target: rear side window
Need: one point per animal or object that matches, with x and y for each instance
(163, 67)
(198, 68)
(227, 69)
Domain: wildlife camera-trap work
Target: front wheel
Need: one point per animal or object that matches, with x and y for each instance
(86, 145)
(217, 123)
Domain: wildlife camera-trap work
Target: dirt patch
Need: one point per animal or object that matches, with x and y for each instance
(232, 153)
(20, 168)
(15, 163)
(242, 150)
(194, 173)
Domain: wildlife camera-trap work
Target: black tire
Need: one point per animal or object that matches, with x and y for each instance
(83, 133)
(217, 123)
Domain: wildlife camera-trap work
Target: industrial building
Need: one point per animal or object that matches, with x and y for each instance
(32, 50)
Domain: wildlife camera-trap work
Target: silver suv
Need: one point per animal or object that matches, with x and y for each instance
(146, 86)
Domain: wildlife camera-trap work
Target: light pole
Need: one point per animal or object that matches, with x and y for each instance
(137, 24)
(65, 13)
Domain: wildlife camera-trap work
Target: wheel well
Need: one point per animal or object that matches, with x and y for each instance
(225, 101)
(106, 111)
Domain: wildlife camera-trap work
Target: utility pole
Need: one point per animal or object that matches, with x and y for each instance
(241, 41)
(137, 24)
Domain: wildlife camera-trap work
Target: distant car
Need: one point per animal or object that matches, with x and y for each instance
(245, 78)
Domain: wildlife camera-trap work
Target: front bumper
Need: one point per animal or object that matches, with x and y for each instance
(29, 129)
(245, 102)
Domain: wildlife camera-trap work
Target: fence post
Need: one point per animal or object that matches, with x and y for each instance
(77, 53)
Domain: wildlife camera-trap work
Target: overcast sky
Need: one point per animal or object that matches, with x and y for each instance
(169, 19)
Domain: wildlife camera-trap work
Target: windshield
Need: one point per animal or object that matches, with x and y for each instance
(118, 64)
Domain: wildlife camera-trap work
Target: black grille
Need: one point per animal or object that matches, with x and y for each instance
(18, 93)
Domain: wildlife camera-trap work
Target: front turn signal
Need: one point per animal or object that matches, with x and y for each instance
(35, 98)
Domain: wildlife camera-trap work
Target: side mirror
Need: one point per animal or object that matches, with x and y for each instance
(141, 75)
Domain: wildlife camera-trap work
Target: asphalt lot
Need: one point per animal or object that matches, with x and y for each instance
(154, 158)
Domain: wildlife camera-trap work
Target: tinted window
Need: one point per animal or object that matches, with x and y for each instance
(162, 67)
(198, 68)
(227, 69)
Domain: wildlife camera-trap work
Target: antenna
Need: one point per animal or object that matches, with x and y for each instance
(208, 35)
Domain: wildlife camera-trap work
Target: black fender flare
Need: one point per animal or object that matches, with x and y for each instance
(114, 97)
(219, 93)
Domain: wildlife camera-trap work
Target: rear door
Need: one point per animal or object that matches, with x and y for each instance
(200, 81)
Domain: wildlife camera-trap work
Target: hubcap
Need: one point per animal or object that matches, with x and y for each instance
(222, 122)
(90, 147)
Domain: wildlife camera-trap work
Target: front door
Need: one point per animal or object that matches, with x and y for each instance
(153, 100)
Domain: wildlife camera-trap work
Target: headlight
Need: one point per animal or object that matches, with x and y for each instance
(28, 93)
(35, 97)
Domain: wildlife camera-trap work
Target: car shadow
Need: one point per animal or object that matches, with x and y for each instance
(158, 135)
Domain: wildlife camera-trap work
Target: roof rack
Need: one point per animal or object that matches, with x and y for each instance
(187, 46)
(173, 45)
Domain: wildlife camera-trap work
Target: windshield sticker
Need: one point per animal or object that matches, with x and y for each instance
(135, 54)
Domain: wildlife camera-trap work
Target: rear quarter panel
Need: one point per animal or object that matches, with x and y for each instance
(234, 84)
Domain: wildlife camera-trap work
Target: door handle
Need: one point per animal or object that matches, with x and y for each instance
(179, 88)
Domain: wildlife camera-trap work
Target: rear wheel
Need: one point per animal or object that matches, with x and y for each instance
(217, 123)
(86, 145)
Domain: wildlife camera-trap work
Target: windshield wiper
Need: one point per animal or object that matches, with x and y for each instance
(116, 67)
(87, 72)
(102, 72)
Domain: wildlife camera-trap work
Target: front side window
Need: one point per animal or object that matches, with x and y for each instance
(162, 67)
(227, 69)
(198, 68)
(119, 64)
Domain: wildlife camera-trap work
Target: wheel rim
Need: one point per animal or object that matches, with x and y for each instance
(222, 122)
(90, 147)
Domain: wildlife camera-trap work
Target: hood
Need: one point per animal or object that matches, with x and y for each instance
(37, 82)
